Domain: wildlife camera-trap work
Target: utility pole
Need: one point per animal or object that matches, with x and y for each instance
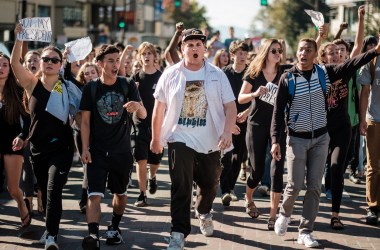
(23, 8)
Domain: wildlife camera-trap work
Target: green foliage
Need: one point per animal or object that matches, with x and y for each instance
(288, 20)
(192, 17)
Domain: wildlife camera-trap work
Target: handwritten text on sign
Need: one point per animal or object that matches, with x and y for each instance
(35, 29)
(271, 95)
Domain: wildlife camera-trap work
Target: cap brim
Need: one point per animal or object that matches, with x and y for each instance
(194, 37)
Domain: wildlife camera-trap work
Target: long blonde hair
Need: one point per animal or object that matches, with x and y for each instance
(257, 65)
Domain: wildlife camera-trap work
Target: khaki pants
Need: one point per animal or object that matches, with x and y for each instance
(373, 165)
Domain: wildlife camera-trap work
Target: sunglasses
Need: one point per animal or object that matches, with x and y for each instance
(274, 51)
(53, 60)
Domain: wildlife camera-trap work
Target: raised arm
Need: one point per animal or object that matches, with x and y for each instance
(171, 51)
(342, 27)
(126, 52)
(359, 39)
(25, 78)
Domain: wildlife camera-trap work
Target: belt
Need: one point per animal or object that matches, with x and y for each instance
(309, 135)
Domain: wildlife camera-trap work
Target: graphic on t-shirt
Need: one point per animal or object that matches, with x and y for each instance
(271, 95)
(337, 92)
(194, 107)
(110, 107)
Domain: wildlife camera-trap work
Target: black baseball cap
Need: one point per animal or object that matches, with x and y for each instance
(193, 33)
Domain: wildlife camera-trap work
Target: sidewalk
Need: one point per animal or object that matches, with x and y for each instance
(147, 227)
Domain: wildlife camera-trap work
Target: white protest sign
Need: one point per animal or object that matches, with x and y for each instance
(35, 29)
(271, 95)
(316, 17)
(79, 49)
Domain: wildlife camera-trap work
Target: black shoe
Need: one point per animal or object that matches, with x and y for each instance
(152, 185)
(141, 200)
(226, 199)
(91, 242)
(371, 217)
(113, 236)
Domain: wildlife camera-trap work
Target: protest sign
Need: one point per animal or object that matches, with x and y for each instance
(271, 95)
(35, 29)
(78, 49)
(316, 17)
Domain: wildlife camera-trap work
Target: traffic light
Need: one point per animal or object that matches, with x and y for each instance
(177, 3)
(121, 24)
(264, 2)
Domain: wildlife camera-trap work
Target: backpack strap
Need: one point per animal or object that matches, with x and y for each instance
(322, 79)
(372, 68)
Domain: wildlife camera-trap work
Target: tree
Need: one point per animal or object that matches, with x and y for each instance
(286, 19)
(193, 16)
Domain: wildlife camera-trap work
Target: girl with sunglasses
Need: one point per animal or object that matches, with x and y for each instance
(260, 84)
(11, 143)
(51, 139)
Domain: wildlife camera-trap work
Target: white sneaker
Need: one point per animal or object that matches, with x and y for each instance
(281, 225)
(50, 243)
(177, 241)
(43, 238)
(233, 196)
(206, 225)
(307, 240)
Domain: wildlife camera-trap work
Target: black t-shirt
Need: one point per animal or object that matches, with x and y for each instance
(262, 113)
(109, 125)
(146, 85)
(47, 133)
(236, 81)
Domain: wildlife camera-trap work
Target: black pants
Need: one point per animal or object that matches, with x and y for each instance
(352, 158)
(51, 171)
(335, 167)
(257, 139)
(232, 161)
(185, 166)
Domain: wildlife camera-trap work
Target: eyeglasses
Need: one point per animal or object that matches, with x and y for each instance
(274, 51)
(53, 60)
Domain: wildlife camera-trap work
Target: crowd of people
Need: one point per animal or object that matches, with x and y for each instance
(217, 107)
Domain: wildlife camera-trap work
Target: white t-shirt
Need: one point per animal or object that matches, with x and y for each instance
(195, 127)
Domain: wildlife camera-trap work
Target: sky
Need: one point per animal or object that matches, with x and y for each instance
(237, 13)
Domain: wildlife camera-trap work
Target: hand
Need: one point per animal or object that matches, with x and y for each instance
(236, 130)
(86, 157)
(363, 128)
(179, 27)
(262, 90)
(343, 26)
(242, 117)
(276, 152)
(155, 147)
(225, 140)
(361, 11)
(322, 31)
(132, 106)
(17, 144)
(18, 29)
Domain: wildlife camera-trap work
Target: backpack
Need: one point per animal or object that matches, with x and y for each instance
(124, 85)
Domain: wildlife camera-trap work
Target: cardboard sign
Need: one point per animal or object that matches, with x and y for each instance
(35, 29)
(271, 95)
(78, 49)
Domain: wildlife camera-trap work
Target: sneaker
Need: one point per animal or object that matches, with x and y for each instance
(281, 225)
(51, 243)
(371, 218)
(263, 190)
(43, 238)
(141, 200)
(176, 241)
(233, 196)
(152, 185)
(226, 199)
(91, 242)
(307, 240)
(206, 225)
(113, 236)
(354, 179)
(328, 194)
